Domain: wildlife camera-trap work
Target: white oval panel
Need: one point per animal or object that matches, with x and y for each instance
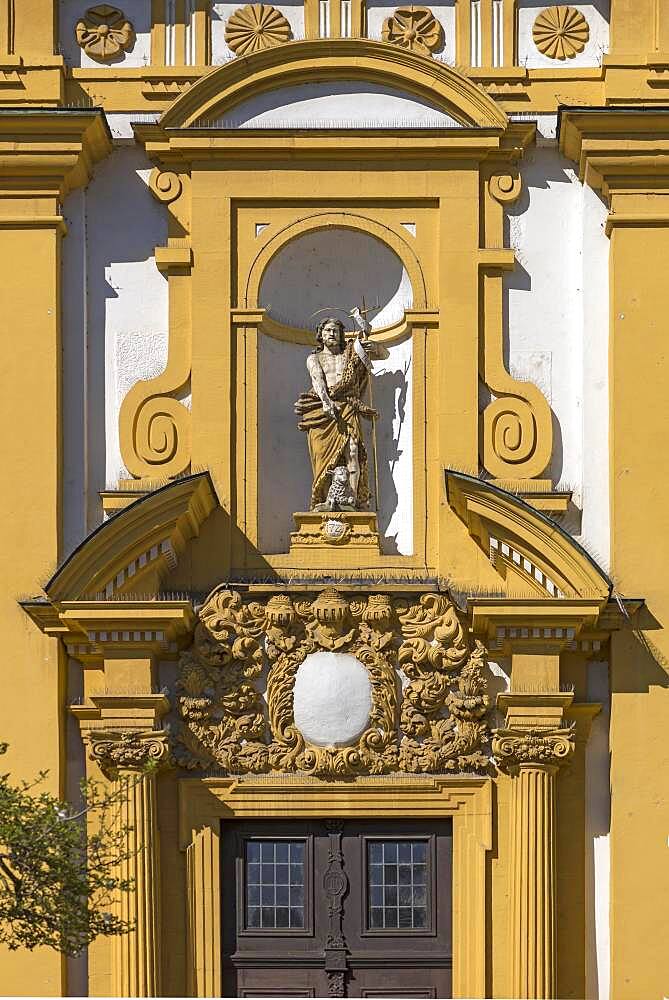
(332, 699)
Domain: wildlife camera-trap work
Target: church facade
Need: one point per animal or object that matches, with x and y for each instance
(334, 392)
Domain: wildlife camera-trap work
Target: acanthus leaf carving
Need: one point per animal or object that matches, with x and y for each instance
(437, 724)
(116, 750)
(514, 747)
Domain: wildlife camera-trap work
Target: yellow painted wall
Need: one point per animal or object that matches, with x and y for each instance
(31, 702)
(640, 661)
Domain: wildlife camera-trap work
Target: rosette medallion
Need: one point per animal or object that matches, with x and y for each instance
(104, 32)
(560, 32)
(254, 27)
(414, 28)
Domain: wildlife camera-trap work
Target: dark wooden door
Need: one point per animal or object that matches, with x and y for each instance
(330, 908)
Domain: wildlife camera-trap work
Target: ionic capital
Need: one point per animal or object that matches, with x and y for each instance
(534, 746)
(128, 750)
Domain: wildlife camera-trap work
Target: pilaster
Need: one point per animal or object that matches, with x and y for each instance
(531, 748)
(624, 155)
(131, 759)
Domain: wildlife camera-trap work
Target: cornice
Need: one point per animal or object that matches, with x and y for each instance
(617, 149)
(513, 533)
(142, 542)
(54, 150)
(331, 59)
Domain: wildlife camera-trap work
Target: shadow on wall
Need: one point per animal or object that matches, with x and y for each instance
(390, 399)
(601, 6)
(127, 295)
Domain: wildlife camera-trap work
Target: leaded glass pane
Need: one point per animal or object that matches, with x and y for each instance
(397, 897)
(274, 889)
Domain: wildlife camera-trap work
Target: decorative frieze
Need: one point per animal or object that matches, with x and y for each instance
(436, 725)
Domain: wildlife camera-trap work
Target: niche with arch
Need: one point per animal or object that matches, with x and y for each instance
(321, 272)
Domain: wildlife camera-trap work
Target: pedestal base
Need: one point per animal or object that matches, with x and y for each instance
(346, 536)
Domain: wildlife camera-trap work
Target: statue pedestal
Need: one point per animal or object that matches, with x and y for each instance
(346, 536)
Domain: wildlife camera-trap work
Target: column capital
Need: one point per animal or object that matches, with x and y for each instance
(533, 746)
(128, 750)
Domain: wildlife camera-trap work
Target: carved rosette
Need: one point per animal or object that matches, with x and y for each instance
(413, 28)
(513, 748)
(104, 33)
(128, 750)
(254, 27)
(438, 725)
(560, 32)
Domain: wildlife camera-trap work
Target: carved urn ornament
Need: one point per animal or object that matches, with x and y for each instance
(254, 27)
(560, 32)
(104, 32)
(408, 689)
(414, 28)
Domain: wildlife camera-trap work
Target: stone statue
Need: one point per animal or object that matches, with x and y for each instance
(331, 412)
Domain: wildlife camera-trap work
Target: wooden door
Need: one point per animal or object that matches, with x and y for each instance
(336, 908)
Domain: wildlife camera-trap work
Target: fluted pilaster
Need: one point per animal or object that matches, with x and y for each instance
(532, 757)
(136, 966)
(533, 882)
(131, 759)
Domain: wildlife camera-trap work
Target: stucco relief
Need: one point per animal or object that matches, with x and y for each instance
(434, 723)
(414, 28)
(254, 27)
(104, 33)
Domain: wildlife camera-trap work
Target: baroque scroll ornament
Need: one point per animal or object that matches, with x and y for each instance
(104, 32)
(254, 27)
(560, 32)
(437, 725)
(117, 750)
(532, 746)
(414, 28)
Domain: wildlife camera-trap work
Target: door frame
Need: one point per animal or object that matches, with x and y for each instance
(205, 802)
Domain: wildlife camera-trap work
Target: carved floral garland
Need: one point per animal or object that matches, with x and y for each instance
(438, 727)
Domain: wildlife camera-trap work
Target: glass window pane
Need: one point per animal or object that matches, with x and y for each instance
(397, 889)
(274, 889)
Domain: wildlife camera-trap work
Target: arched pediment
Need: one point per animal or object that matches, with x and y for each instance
(330, 60)
(543, 560)
(133, 550)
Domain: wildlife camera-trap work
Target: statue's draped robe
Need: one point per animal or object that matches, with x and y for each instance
(328, 438)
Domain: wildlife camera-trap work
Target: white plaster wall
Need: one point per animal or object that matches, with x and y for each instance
(220, 12)
(597, 839)
(556, 324)
(284, 468)
(595, 13)
(115, 310)
(595, 523)
(138, 12)
(335, 269)
(335, 105)
(379, 10)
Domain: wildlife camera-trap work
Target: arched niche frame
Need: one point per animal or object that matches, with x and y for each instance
(435, 195)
